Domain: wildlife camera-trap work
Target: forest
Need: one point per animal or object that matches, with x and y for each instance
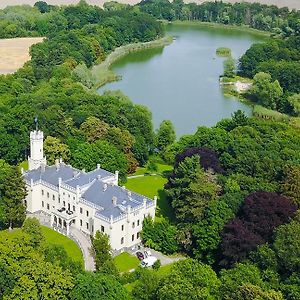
(234, 188)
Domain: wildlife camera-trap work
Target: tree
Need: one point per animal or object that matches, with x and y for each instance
(233, 279)
(165, 135)
(103, 257)
(147, 285)
(287, 248)
(291, 184)
(189, 195)
(13, 193)
(261, 213)
(253, 292)
(32, 227)
(32, 277)
(95, 286)
(229, 67)
(87, 156)
(206, 233)
(294, 101)
(159, 235)
(189, 279)
(55, 149)
(264, 211)
(264, 91)
(94, 129)
(208, 158)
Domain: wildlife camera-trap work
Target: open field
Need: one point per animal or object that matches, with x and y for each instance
(14, 53)
(280, 3)
(126, 262)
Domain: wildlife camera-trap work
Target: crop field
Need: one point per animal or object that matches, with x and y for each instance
(14, 53)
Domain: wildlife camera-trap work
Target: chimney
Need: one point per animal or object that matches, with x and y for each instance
(43, 167)
(83, 170)
(129, 193)
(60, 160)
(99, 177)
(114, 200)
(104, 187)
(57, 164)
(123, 187)
(74, 173)
(98, 166)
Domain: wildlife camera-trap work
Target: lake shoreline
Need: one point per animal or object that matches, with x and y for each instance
(241, 28)
(102, 73)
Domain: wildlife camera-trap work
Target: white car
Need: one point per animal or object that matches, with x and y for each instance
(148, 261)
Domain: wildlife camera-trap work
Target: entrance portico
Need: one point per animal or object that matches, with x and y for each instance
(61, 220)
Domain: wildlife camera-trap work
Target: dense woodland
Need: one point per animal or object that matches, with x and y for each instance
(234, 190)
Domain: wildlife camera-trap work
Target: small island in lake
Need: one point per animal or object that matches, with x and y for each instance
(223, 52)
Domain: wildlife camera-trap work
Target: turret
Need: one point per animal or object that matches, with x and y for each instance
(36, 158)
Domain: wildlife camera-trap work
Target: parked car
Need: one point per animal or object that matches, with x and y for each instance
(148, 262)
(140, 255)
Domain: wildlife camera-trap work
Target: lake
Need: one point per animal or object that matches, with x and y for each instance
(180, 82)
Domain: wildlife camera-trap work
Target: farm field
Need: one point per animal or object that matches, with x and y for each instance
(15, 52)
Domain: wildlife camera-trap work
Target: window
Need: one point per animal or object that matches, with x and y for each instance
(42, 192)
(73, 207)
(48, 206)
(53, 197)
(133, 224)
(73, 197)
(87, 213)
(69, 195)
(64, 203)
(81, 210)
(138, 222)
(87, 225)
(58, 199)
(132, 237)
(122, 240)
(122, 227)
(80, 222)
(102, 228)
(48, 195)
(63, 193)
(42, 203)
(92, 228)
(138, 235)
(69, 206)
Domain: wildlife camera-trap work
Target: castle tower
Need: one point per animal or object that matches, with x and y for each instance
(36, 158)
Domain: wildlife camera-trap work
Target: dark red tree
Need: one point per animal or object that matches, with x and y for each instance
(208, 158)
(237, 242)
(260, 214)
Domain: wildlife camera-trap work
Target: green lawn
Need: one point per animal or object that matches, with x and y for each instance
(53, 237)
(126, 262)
(161, 168)
(151, 186)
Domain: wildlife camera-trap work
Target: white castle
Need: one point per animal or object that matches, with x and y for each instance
(89, 201)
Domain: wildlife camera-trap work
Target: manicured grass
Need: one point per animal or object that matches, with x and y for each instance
(53, 237)
(161, 168)
(126, 262)
(151, 186)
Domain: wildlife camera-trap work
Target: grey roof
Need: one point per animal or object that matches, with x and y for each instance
(98, 192)
(51, 174)
(68, 174)
(102, 195)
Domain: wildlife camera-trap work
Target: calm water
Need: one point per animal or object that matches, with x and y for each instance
(180, 82)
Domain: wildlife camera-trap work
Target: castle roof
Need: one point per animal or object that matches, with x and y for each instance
(111, 200)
